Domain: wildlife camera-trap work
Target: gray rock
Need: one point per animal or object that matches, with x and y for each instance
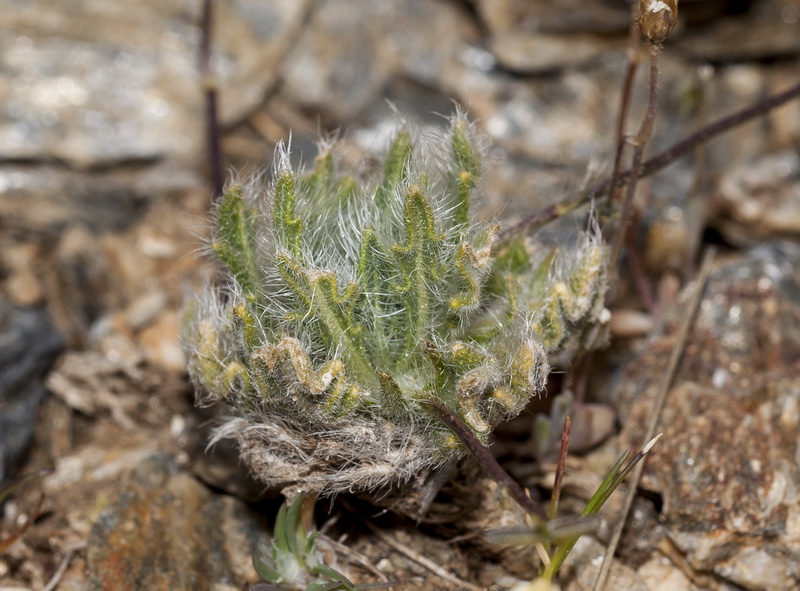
(537, 53)
(28, 346)
(545, 36)
(352, 48)
(727, 465)
(47, 199)
(93, 83)
(760, 200)
(564, 17)
(769, 30)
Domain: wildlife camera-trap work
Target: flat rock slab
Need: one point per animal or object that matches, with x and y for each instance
(93, 83)
(166, 531)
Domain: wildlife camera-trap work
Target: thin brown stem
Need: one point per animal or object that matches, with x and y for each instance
(621, 141)
(562, 461)
(540, 219)
(634, 57)
(479, 451)
(733, 120)
(209, 84)
(654, 164)
(639, 144)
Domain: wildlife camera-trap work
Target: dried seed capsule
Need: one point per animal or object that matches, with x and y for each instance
(657, 18)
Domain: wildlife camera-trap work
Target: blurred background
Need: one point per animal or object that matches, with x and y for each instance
(104, 194)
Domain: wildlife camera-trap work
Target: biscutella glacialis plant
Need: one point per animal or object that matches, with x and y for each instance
(350, 303)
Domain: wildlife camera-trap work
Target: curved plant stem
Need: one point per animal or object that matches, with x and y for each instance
(656, 163)
(477, 449)
(727, 123)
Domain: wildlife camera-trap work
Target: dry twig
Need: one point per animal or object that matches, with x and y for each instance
(62, 567)
(650, 166)
(424, 562)
(354, 556)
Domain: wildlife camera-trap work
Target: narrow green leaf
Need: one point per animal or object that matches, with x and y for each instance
(293, 530)
(375, 275)
(324, 570)
(288, 228)
(324, 188)
(319, 181)
(605, 489)
(284, 530)
(392, 399)
(420, 267)
(465, 173)
(342, 396)
(610, 483)
(266, 571)
(245, 324)
(235, 242)
(472, 263)
(395, 169)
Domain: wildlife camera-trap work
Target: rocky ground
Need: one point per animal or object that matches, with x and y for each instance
(104, 196)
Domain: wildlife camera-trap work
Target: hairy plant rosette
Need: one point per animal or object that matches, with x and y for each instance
(349, 302)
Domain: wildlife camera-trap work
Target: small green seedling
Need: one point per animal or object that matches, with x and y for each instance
(562, 535)
(293, 562)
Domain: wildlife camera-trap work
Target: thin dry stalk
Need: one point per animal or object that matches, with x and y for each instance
(209, 84)
(355, 557)
(650, 166)
(52, 584)
(440, 572)
(562, 461)
(634, 56)
(655, 413)
(639, 143)
(477, 449)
